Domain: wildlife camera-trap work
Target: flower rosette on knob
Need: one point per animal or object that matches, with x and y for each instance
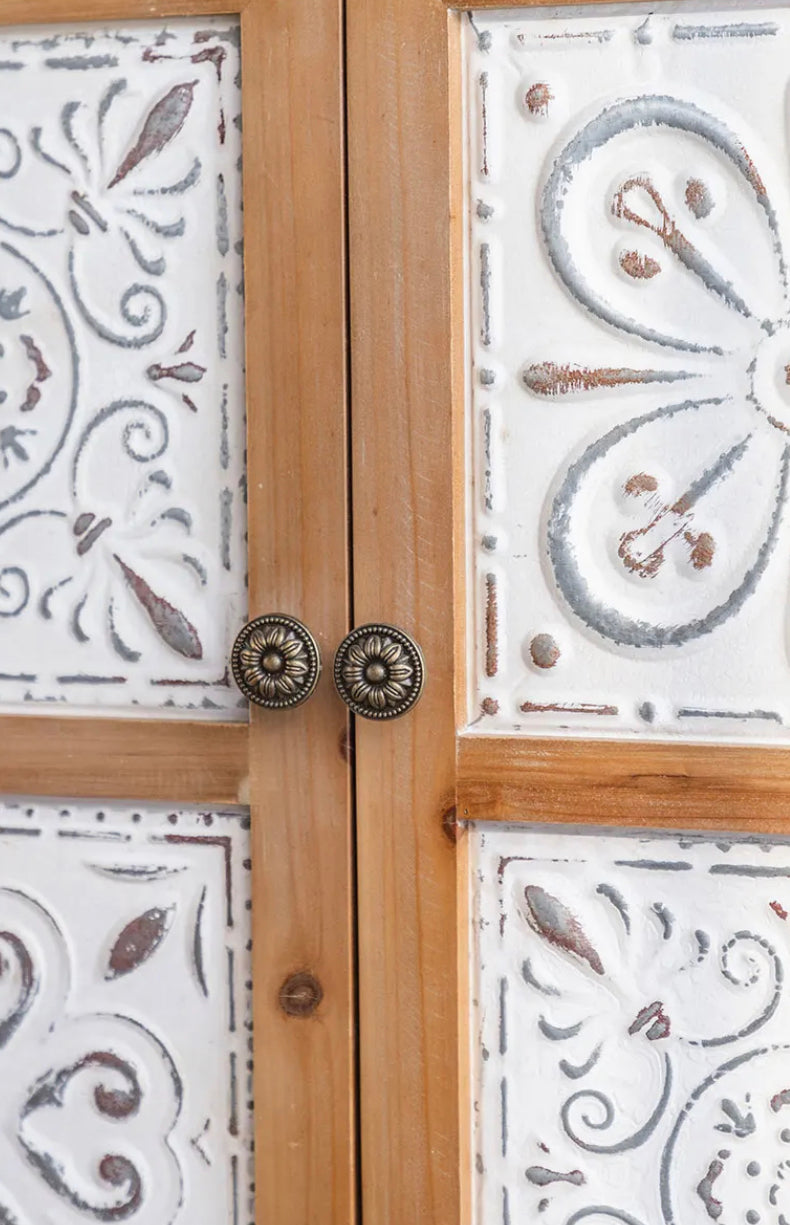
(379, 671)
(275, 662)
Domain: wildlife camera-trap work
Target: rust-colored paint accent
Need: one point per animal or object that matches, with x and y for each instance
(537, 98)
(648, 566)
(222, 841)
(214, 55)
(300, 994)
(138, 940)
(450, 823)
(544, 651)
(37, 358)
(165, 120)
(43, 372)
(489, 706)
(640, 267)
(699, 199)
(778, 909)
(186, 372)
(666, 229)
(776, 423)
(492, 626)
(32, 397)
(570, 708)
(660, 1024)
(169, 622)
(550, 379)
(118, 1171)
(640, 482)
(703, 548)
(552, 920)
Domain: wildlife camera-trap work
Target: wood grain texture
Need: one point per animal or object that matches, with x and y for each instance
(135, 759)
(399, 170)
(472, 5)
(607, 782)
(36, 12)
(300, 778)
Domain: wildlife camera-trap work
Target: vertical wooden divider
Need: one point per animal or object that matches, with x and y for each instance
(402, 448)
(300, 778)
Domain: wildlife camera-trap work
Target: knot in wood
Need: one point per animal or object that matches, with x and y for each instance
(300, 994)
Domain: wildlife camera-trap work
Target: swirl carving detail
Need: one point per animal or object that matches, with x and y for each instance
(122, 482)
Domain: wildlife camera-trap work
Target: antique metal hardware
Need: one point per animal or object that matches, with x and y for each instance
(275, 661)
(379, 671)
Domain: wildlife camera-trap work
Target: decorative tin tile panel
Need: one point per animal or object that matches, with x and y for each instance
(122, 497)
(125, 1024)
(629, 214)
(630, 1029)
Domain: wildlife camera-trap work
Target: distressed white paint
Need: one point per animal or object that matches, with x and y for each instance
(611, 1078)
(122, 507)
(636, 531)
(72, 878)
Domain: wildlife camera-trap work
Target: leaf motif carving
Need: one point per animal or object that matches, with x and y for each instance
(164, 121)
(552, 920)
(139, 939)
(170, 624)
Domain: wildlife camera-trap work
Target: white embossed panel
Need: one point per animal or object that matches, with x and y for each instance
(630, 1027)
(629, 350)
(122, 491)
(125, 1025)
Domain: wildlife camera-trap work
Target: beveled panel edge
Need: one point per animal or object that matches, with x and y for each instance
(591, 782)
(141, 759)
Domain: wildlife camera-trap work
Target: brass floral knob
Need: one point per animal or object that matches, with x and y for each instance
(379, 671)
(275, 661)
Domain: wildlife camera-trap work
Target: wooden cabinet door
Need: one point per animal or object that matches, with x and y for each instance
(176, 1028)
(570, 411)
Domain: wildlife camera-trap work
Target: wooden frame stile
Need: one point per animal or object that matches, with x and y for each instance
(403, 433)
(300, 775)
(407, 330)
(292, 768)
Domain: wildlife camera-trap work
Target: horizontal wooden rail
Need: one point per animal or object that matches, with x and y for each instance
(473, 5)
(671, 785)
(140, 759)
(35, 12)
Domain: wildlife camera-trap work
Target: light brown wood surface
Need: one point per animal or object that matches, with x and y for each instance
(465, 5)
(34, 12)
(670, 786)
(291, 768)
(198, 763)
(409, 481)
(299, 769)
(402, 437)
